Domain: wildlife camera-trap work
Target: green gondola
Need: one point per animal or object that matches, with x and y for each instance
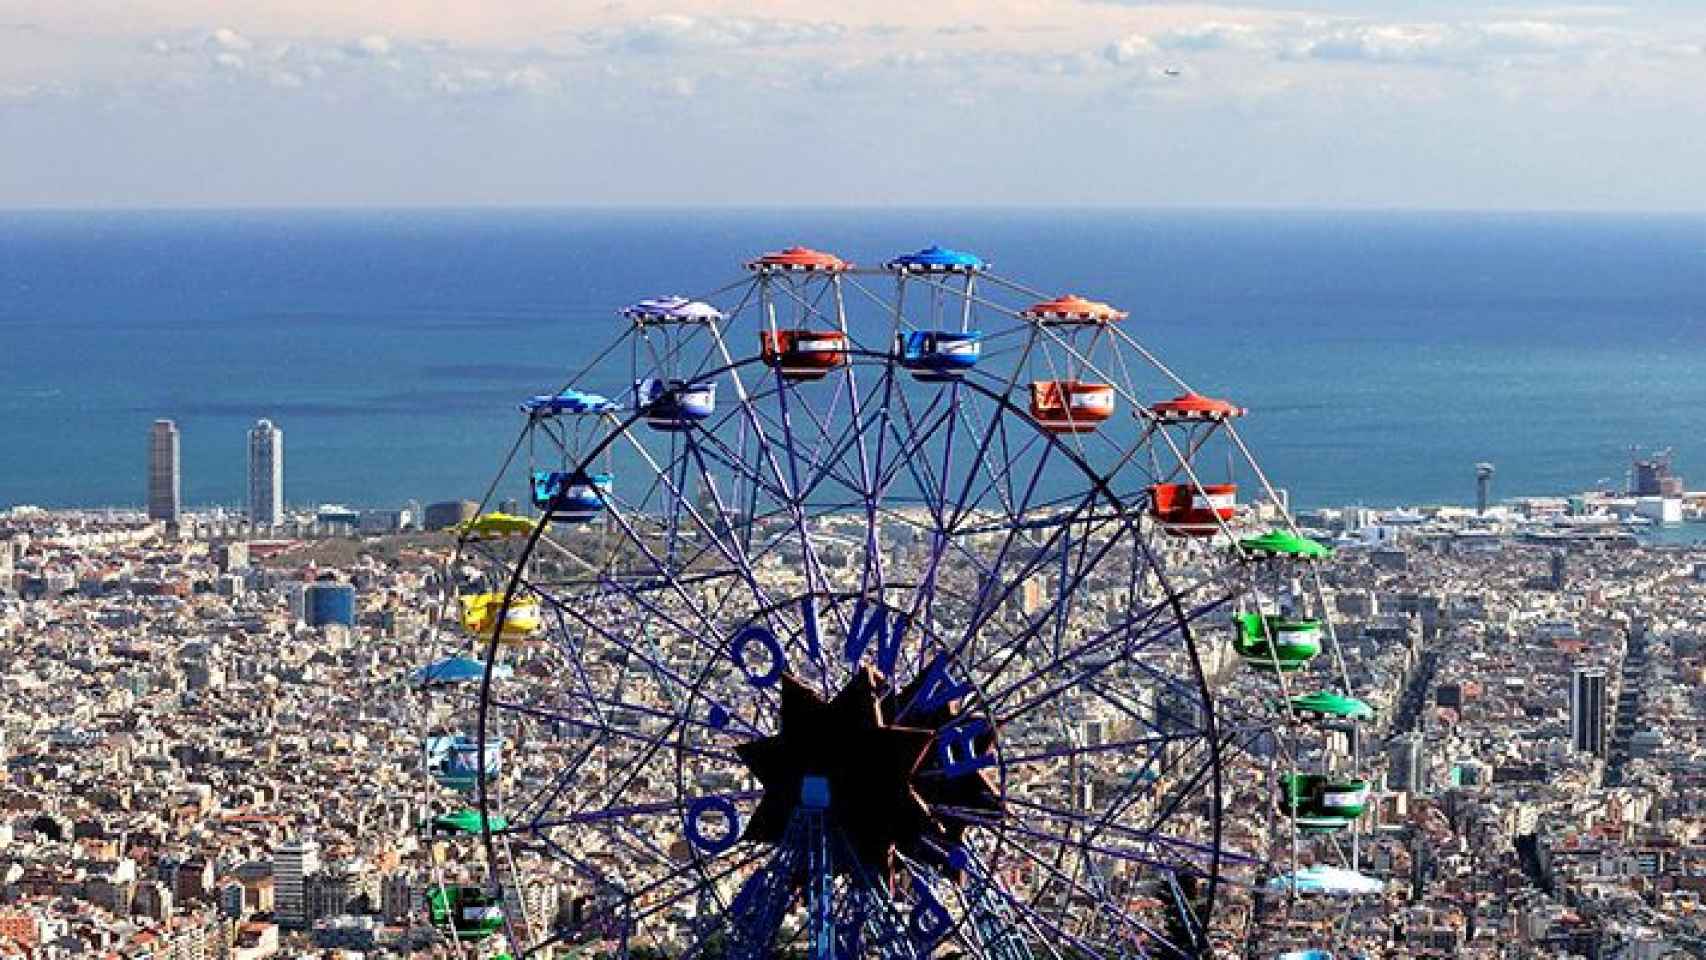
(465, 822)
(1274, 643)
(1318, 803)
(1284, 543)
(1326, 703)
(468, 912)
(1313, 824)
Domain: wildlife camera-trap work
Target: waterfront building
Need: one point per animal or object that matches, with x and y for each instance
(1588, 714)
(1483, 486)
(164, 487)
(293, 864)
(266, 475)
(449, 513)
(1654, 476)
(385, 521)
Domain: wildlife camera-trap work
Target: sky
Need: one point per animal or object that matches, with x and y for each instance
(1335, 103)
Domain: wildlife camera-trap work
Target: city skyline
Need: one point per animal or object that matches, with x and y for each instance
(264, 503)
(1527, 105)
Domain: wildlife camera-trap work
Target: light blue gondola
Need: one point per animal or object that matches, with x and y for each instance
(676, 309)
(572, 496)
(454, 760)
(938, 355)
(457, 670)
(674, 405)
(569, 402)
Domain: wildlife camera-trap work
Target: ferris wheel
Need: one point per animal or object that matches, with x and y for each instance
(879, 612)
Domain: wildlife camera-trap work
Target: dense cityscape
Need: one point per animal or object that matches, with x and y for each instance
(212, 731)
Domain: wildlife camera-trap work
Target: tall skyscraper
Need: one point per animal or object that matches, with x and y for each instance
(163, 479)
(266, 474)
(1483, 486)
(1589, 718)
(292, 865)
(1407, 765)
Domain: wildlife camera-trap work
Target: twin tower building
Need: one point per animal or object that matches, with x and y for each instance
(266, 473)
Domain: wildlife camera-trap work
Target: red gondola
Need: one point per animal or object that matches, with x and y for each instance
(799, 260)
(1069, 406)
(1184, 510)
(1072, 308)
(1194, 408)
(804, 354)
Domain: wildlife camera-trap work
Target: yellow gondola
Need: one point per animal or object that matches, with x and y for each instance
(495, 526)
(521, 622)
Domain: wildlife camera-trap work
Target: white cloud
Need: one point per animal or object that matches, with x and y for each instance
(530, 79)
(1530, 36)
(680, 33)
(1213, 35)
(228, 60)
(228, 39)
(1443, 43)
(1400, 42)
(471, 80)
(1379, 41)
(372, 45)
(1129, 49)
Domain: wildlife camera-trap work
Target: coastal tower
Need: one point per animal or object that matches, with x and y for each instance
(266, 475)
(164, 497)
(1483, 486)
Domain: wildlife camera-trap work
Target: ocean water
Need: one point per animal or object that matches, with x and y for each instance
(1381, 354)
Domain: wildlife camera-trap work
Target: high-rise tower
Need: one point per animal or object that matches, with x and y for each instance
(266, 474)
(1407, 765)
(293, 864)
(163, 480)
(1483, 485)
(1589, 718)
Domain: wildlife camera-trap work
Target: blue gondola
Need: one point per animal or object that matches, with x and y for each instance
(455, 670)
(936, 259)
(454, 760)
(937, 355)
(674, 404)
(577, 497)
(570, 401)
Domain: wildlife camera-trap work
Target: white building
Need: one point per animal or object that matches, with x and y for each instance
(1659, 509)
(266, 474)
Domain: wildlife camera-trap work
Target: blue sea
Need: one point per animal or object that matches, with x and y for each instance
(1381, 354)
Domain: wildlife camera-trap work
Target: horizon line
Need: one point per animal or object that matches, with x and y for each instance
(833, 206)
